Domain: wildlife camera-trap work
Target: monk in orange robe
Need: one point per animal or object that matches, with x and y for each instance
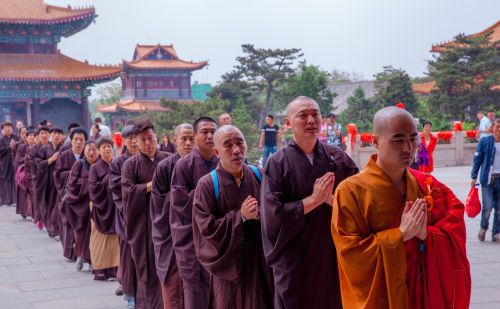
(399, 234)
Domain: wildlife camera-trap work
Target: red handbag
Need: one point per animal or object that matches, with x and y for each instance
(472, 203)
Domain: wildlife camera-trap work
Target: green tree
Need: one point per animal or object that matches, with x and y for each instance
(107, 94)
(465, 73)
(264, 68)
(311, 81)
(359, 111)
(243, 120)
(393, 86)
(165, 122)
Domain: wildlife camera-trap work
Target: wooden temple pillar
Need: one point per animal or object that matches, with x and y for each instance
(36, 111)
(85, 112)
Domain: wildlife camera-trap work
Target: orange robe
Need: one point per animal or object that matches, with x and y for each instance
(376, 268)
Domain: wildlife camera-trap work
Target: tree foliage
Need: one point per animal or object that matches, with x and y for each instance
(185, 113)
(465, 73)
(393, 86)
(311, 81)
(264, 68)
(360, 111)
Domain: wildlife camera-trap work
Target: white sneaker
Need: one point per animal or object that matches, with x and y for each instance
(79, 264)
(91, 269)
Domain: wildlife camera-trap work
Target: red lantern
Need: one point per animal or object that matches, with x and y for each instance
(117, 138)
(457, 126)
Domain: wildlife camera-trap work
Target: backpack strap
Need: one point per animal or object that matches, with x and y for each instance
(215, 180)
(256, 172)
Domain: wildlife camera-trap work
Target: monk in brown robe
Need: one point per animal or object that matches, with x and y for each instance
(41, 139)
(45, 190)
(226, 228)
(296, 211)
(76, 204)
(126, 271)
(187, 172)
(19, 154)
(7, 172)
(166, 265)
(399, 233)
(137, 176)
(61, 172)
(104, 243)
(30, 142)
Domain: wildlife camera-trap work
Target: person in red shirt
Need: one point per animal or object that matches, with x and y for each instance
(430, 141)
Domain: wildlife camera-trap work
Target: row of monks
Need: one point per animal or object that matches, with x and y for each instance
(201, 229)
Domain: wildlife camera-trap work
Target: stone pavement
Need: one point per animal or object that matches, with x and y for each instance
(33, 273)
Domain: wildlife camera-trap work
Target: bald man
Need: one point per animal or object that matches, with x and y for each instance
(225, 119)
(399, 233)
(166, 265)
(226, 227)
(187, 171)
(296, 209)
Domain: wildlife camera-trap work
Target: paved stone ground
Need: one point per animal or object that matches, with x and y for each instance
(33, 273)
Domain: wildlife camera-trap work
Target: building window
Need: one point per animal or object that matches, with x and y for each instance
(138, 84)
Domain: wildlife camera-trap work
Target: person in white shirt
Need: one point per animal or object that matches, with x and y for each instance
(484, 125)
(104, 130)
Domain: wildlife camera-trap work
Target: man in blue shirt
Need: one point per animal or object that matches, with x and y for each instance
(487, 158)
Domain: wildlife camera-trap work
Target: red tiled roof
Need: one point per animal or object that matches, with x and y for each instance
(424, 88)
(495, 37)
(165, 64)
(137, 105)
(141, 53)
(144, 50)
(38, 12)
(52, 67)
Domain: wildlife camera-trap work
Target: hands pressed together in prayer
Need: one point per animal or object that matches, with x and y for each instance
(12, 143)
(149, 186)
(250, 209)
(322, 193)
(414, 220)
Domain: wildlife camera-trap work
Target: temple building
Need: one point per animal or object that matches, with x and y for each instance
(426, 88)
(155, 72)
(37, 81)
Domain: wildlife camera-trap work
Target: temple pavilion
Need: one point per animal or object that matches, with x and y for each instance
(37, 81)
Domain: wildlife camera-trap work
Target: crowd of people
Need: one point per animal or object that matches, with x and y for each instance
(186, 223)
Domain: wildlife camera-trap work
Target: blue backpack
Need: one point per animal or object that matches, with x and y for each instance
(215, 179)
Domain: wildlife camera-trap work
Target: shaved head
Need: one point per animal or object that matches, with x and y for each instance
(386, 115)
(292, 107)
(182, 126)
(223, 131)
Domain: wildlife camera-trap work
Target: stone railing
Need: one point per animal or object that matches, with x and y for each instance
(457, 153)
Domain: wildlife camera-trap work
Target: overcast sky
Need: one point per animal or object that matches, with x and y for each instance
(352, 35)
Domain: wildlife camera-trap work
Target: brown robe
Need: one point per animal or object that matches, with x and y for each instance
(28, 176)
(126, 269)
(75, 207)
(103, 212)
(230, 249)
(31, 175)
(136, 173)
(23, 206)
(61, 174)
(195, 279)
(7, 172)
(46, 192)
(104, 244)
(166, 265)
(299, 247)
